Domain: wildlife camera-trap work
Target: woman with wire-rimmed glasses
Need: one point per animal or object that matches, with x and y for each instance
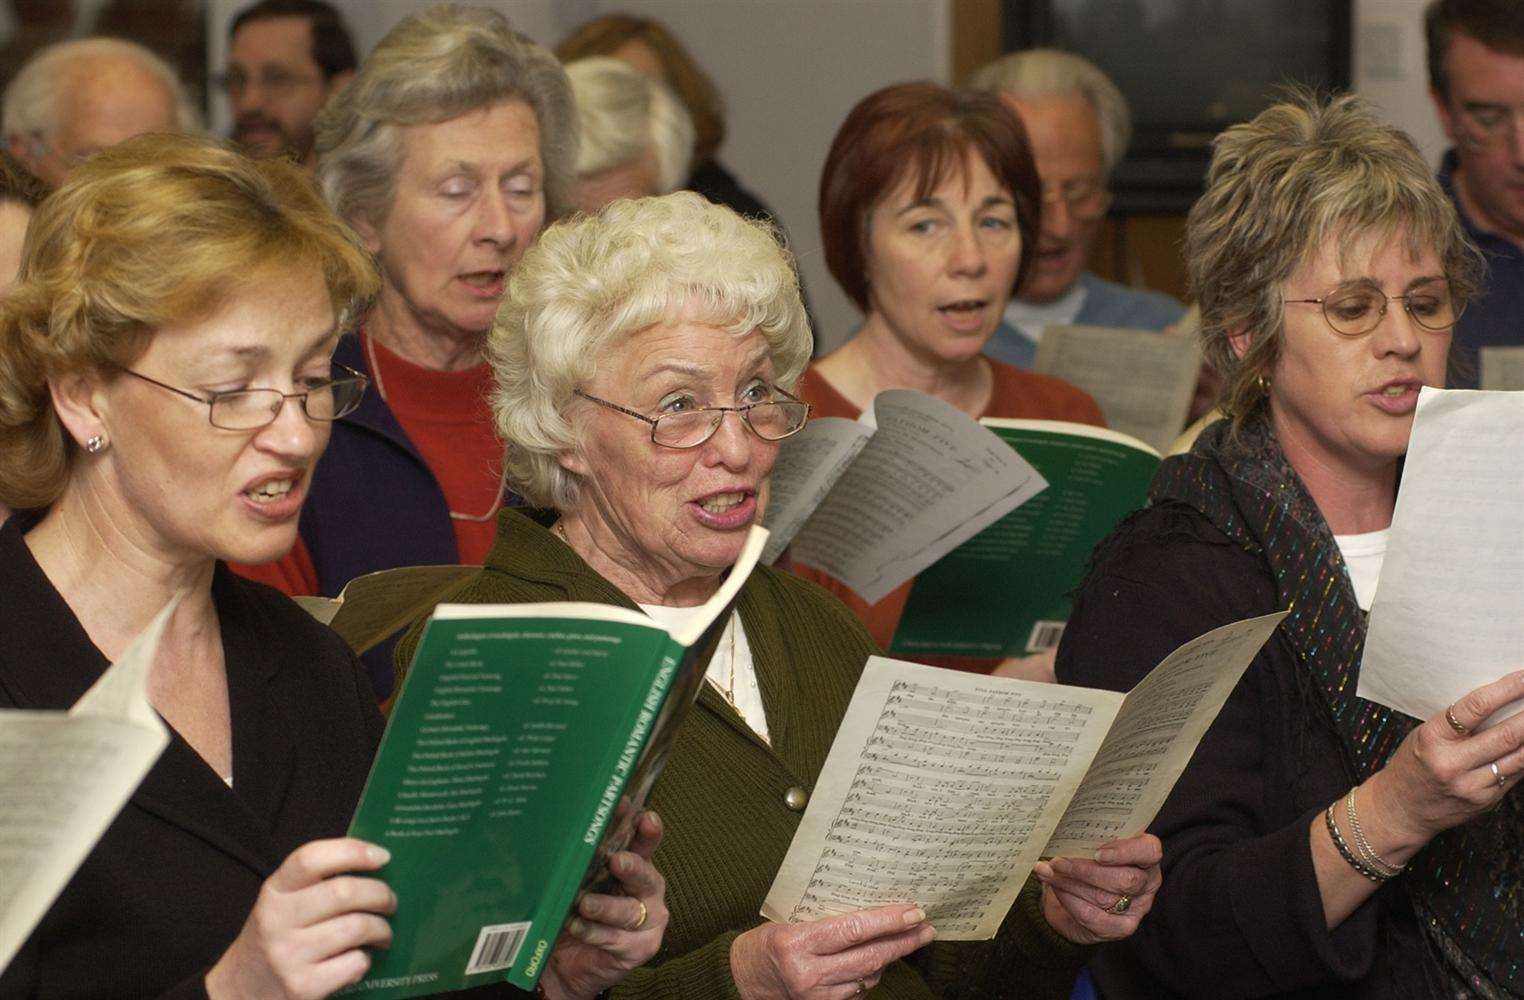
(1318, 845)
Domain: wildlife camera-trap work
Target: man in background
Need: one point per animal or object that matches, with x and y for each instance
(76, 98)
(286, 58)
(1078, 125)
(1476, 75)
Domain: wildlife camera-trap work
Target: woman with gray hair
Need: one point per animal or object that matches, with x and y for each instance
(1318, 845)
(447, 153)
(644, 359)
(636, 137)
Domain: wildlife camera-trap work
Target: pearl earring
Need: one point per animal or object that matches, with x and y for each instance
(96, 444)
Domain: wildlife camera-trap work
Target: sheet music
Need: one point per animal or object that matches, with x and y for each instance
(930, 479)
(808, 465)
(373, 606)
(1448, 615)
(1142, 380)
(1502, 367)
(940, 789)
(63, 779)
(1154, 736)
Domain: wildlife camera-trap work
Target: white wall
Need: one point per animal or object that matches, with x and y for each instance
(1390, 68)
(789, 69)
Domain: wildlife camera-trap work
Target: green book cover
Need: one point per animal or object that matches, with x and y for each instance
(518, 753)
(1005, 591)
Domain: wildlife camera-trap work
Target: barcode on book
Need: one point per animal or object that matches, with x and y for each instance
(496, 947)
(1045, 635)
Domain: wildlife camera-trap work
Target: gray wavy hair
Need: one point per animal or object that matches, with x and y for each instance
(592, 281)
(1036, 73)
(432, 67)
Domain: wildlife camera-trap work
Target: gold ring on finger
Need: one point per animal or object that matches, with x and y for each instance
(641, 920)
(1121, 906)
(1454, 722)
(1497, 772)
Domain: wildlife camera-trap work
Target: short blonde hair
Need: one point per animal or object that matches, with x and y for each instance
(1034, 73)
(1302, 172)
(623, 114)
(434, 66)
(592, 281)
(155, 231)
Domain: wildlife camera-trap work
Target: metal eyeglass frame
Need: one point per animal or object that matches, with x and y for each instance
(350, 376)
(1407, 307)
(743, 411)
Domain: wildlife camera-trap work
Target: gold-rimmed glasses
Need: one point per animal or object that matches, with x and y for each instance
(1357, 311)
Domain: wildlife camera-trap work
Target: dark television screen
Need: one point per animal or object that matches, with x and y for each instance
(1188, 68)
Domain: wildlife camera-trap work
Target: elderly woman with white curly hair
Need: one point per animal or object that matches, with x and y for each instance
(448, 152)
(644, 358)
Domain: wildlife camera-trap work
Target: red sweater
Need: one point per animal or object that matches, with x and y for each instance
(1017, 395)
(447, 417)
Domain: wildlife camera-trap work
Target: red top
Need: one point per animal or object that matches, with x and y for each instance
(1017, 395)
(448, 418)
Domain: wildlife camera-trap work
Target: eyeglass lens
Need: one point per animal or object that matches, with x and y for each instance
(769, 421)
(1359, 311)
(253, 408)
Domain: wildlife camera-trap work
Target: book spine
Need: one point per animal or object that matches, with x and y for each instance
(577, 858)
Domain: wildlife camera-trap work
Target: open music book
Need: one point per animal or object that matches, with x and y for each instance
(63, 778)
(1005, 591)
(944, 788)
(874, 501)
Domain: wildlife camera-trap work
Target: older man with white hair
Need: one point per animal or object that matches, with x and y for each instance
(78, 97)
(636, 137)
(1079, 125)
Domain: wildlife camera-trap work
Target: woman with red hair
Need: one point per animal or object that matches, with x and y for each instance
(929, 201)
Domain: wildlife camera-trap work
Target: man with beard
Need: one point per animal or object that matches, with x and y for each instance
(285, 59)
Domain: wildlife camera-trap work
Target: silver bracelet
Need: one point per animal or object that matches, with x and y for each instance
(1368, 854)
(1344, 851)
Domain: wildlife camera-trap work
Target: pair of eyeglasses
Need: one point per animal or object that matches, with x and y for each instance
(1358, 312)
(770, 420)
(251, 409)
(275, 82)
(1085, 199)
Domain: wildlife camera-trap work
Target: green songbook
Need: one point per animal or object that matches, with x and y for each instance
(1005, 592)
(518, 754)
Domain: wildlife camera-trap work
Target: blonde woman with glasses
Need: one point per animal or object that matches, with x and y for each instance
(1318, 845)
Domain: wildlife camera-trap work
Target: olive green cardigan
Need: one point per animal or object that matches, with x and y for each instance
(721, 796)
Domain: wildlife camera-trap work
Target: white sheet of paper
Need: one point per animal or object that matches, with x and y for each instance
(1154, 736)
(1502, 367)
(63, 779)
(1448, 615)
(1142, 380)
(929, 480)
(808, 465)
(940, 789)
(944, 788)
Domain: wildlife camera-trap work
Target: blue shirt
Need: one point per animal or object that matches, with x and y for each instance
(1105, 303)
(1495, 317)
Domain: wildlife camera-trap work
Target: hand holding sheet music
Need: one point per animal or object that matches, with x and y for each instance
(944, 788)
